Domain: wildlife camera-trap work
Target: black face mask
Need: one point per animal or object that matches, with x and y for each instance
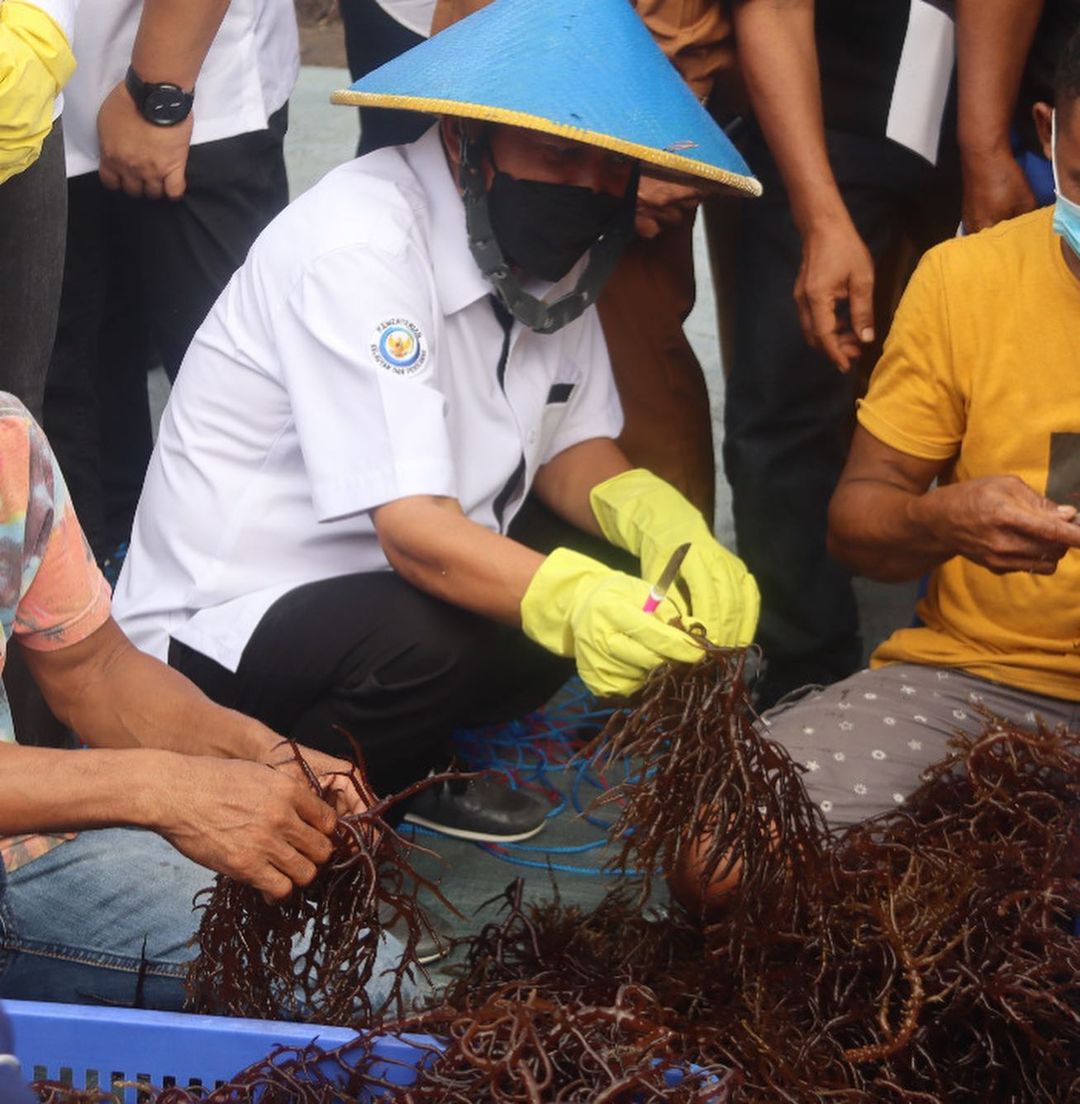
(545, 228)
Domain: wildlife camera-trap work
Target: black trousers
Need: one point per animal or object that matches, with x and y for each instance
(372, 38)
(368, 656)
(789, 413)
(33, 215)
(139, 278)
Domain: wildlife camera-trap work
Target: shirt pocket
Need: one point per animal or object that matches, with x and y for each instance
(556, 408)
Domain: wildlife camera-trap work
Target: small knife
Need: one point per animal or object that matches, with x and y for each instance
(662, 585)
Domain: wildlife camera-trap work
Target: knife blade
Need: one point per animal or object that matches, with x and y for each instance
(662, 585)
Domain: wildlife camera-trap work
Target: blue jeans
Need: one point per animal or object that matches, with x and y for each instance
(72, 923)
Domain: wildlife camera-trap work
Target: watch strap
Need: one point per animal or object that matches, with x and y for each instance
(160, 103)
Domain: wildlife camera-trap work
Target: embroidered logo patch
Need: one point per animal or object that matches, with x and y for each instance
(399, 346)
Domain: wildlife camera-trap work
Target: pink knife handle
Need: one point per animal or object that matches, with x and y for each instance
(652, 602)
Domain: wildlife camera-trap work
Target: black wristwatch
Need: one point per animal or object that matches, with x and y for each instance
(160, 104)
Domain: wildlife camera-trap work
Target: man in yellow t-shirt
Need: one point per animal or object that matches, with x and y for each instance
(965, 468)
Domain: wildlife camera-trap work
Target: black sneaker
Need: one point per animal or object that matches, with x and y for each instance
(481, 809)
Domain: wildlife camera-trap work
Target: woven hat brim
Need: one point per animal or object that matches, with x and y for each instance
(681, 168)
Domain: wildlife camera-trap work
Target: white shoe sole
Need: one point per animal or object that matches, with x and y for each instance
(464, 833)
(428, 959)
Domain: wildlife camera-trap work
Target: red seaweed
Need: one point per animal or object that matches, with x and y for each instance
(923, 957)
(249, 964)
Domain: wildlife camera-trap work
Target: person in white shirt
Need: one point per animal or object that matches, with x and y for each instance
(326, 536)
(174, 131)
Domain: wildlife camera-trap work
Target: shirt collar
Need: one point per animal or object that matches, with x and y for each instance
(459, 282)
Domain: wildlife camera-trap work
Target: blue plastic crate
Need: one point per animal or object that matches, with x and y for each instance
(89, 1047)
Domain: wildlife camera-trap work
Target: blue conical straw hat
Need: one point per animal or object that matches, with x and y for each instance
(583, 69)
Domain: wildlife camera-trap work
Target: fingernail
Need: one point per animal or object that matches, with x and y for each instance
(867, 334)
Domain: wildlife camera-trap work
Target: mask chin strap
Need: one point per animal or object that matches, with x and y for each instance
(542, 317)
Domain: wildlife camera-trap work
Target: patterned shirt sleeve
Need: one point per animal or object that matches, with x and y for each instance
(63, 595)
(16, 851)
(51, 592)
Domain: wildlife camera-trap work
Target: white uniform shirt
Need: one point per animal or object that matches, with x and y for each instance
(248, 73)
(350, 362)
(62, 13)
(414, 14)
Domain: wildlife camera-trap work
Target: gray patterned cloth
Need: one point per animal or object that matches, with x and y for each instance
(865, 742)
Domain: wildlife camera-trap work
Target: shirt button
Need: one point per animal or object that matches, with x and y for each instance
(532, 437)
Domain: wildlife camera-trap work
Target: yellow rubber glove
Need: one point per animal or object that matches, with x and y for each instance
(577, 606)
(646, 516)
(35, 63)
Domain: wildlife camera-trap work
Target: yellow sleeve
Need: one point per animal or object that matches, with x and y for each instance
(450, 11)
(35, 64)
(916, 403)
(695, 34)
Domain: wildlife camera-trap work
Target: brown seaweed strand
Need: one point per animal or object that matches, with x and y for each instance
(248, 965)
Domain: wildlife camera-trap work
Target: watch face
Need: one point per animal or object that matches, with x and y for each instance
(166, 104)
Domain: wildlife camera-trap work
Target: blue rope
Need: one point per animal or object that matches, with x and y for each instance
(536, 864)
(540, 752)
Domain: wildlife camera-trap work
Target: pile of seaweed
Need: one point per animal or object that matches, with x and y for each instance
(313, 957)
(926, 956)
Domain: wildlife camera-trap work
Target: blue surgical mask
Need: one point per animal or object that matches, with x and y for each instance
(1066, 212)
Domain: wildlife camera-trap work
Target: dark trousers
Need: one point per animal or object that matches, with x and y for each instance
(371, 657)
(789, 413)
(140, 277)
(33, 216)
(372, 38)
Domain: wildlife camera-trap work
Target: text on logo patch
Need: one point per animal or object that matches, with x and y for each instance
(399, 346)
